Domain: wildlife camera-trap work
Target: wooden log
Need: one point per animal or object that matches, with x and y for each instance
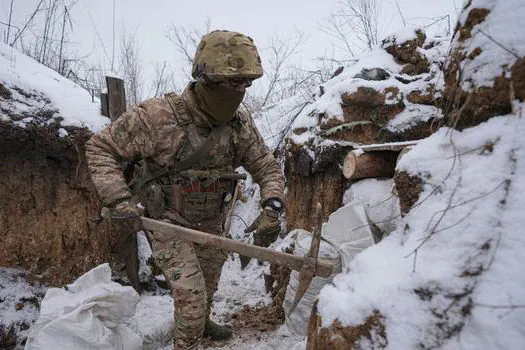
(358, 165)
(116, 97)
(389, 146)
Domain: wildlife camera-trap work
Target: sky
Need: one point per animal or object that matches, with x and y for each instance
(92, 23)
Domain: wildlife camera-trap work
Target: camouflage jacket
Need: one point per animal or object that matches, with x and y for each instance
(150, 131)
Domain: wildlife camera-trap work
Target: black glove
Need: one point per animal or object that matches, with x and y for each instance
(125, 214)
(267, 227)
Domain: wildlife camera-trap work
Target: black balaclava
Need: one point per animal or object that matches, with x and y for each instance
(218, 102)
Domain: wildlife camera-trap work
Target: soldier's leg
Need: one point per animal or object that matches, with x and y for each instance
(211, 262)
(181, 268)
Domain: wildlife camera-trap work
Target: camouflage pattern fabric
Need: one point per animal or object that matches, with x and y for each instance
(224, 54)
(151, 132)
(193, 273)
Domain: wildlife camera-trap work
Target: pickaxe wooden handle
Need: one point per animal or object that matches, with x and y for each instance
(165, 230)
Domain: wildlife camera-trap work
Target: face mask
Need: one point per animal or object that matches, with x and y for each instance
(218, 102)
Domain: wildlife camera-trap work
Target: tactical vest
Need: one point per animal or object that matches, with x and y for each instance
(194, 191)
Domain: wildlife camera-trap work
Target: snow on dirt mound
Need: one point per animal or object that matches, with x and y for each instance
(450, 275)
(389, 94)
(31, 93)
(452, 263)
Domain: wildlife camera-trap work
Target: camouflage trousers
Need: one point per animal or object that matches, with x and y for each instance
(193, 272)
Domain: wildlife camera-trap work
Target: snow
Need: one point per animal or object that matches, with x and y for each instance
(402, 35)
(329, 102)
(497, 36)
(50, 91)
(19, 300)
(466, 219)
(407, 117)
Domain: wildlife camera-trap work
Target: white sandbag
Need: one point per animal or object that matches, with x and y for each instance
(297, 322)
(381, 205)
(89, 314)
(348, 231)
(345, 235)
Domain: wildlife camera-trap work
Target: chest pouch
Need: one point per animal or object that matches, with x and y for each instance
(204, 194)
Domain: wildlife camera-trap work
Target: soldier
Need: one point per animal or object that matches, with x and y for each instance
(189, 146)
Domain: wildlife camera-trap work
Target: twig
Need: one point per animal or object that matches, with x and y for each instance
(475, 198)
(467, 151)
(27, 23)
(492, 306)
(414, 262)
(9, 21)
(290, 123)
(444, 212)
(240, 218)
(400, 13)
(499, 44)
(456, 223)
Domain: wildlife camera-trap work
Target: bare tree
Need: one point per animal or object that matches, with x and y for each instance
(27, 23)
(355, 25)
(279, 54)
(130, 66)
(89, 77)
(6, 39)
(186, 40)
(163, 80)
(48, 38)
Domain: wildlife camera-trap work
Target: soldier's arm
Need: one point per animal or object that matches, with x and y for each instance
(254, 155)
(130, 137)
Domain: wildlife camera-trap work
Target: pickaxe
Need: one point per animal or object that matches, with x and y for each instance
(307, 266)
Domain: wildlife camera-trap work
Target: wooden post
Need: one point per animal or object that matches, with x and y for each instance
(104, 107)
(116, 97)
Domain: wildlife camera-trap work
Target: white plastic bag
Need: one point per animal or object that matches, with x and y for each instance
(89, 314)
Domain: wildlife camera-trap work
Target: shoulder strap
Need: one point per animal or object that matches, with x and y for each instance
(178, 108)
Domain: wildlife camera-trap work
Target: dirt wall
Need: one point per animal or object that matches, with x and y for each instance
(48, 205)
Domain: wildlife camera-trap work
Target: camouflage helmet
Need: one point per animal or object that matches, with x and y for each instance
(222, 54)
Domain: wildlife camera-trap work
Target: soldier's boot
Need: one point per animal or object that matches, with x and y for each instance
(217, 332)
